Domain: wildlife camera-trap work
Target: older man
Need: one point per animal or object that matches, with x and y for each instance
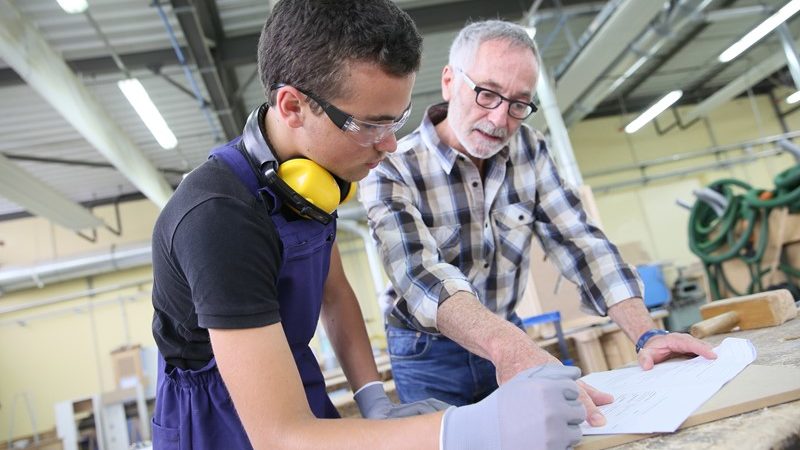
(454, 211)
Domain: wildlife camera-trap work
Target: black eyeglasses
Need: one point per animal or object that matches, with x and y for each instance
(361, 132)
(489, 99)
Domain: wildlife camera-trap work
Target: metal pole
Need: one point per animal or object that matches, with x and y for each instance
(791, 53)
(559, 138)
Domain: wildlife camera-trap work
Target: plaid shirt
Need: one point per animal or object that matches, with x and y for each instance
(441, 229)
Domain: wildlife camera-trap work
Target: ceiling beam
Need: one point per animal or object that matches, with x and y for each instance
(610, 41)
(660, 60)
(614, 107)
(240, 50)
(454, 15)
(24, 48)
(27, 191)
(199, 21)
(88, 204)
(104, 64)
(624, 25)
(742, 83)
(71, 162)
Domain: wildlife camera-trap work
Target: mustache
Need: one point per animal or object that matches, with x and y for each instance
(491, 130)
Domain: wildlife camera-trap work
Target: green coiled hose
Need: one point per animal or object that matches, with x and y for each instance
(719, 239)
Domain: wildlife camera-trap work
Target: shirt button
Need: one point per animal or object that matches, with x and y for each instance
(474, 184)
(521, 217)
(486, 225)
(486, 265)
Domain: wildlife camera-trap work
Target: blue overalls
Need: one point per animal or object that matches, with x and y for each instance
(194, 406)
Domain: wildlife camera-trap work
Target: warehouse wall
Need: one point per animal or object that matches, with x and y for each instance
(33, 240)
(648, 213)
(62, 352)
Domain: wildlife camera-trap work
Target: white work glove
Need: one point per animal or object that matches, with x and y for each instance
(537, 409)
(374, 404)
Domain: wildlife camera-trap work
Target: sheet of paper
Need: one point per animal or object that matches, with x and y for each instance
(659, 400)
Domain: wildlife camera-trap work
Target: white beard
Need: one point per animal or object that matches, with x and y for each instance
(484, 149)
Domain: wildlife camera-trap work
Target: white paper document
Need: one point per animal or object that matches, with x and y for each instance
(659, 400)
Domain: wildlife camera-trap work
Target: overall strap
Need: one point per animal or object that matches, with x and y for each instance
(237, 162)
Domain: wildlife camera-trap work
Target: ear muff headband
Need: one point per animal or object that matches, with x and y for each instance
(347, 188)
(304, 185)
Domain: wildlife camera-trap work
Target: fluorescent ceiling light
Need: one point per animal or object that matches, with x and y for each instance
(653, 111)
(760, 31)
(144, 106)
(794, 98)
(73, 6)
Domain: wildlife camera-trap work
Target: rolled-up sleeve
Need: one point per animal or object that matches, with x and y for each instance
(575, 244)
(407, 246)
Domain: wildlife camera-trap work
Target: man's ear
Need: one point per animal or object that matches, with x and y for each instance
(448, 79)
(288, 104)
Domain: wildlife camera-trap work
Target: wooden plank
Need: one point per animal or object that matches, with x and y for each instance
(754, 388)
(764, 309)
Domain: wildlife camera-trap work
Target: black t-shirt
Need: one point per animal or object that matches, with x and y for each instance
(216, 260)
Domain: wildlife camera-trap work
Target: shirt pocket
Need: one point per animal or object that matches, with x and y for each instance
(447, 243)
(513, 231)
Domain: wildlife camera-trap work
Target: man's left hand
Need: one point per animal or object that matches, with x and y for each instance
(661, 348)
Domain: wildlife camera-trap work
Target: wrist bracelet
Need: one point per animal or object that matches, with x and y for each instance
(646, 337)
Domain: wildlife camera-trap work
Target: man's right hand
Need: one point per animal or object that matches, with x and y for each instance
(513, 363)
(538, 408)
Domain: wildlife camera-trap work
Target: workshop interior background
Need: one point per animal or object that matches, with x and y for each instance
(82, 177)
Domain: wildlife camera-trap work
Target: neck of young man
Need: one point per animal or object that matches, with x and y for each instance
(279, 137)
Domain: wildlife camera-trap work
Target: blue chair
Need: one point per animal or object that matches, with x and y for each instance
(553, 317)
(656, 292)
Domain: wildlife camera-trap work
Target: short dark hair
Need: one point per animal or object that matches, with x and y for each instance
(309, 43)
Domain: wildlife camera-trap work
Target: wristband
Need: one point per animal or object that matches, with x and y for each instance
(646, 337)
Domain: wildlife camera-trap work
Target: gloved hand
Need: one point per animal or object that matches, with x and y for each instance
(374, 404)
(537, 409)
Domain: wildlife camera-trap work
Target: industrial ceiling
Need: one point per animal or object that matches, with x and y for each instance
(71, 140)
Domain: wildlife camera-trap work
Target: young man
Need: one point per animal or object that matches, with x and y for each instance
(245, 262)
(454, 212)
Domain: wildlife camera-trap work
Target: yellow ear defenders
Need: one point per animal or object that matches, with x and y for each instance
(303, 185)
(309, 189)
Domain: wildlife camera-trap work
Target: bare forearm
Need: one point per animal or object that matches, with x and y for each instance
(344, 325)
(466, 321)
(414, 432)
(632, 317)
(265, 385)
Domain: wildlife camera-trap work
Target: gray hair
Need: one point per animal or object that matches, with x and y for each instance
(465, 45)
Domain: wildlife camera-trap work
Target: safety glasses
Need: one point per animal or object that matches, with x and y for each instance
(489, 99)
(362, 132)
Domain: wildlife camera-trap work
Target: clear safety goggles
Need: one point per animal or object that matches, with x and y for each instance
(362, 132)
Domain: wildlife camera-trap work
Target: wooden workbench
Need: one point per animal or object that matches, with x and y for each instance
(776, 427)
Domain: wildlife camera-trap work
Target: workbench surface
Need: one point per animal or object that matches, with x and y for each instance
(776, 427)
